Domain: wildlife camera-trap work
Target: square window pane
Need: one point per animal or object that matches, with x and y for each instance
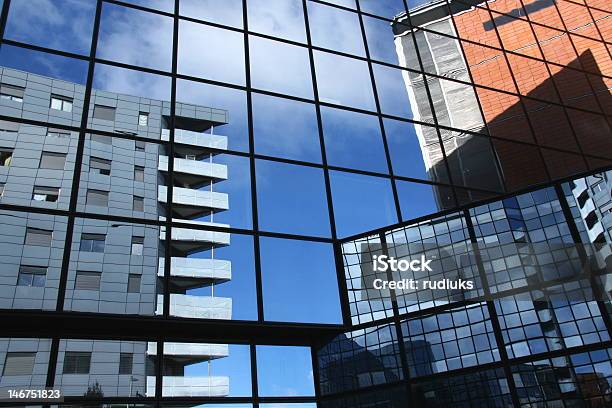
(213, 275)
(415, 151)
(396, 91)
(384, 8)
(65, 26)
(278, 18)
(32, 247)
(292, 199)
(280, 67)
(211, 53)
(225, 374)
(417, 200)
(288, 291)
(381, 39)
(225, 12)
(286, 128)
(135, 37)
(353, 140)
(284, 371)
(227, 106)
(344, 81)
(361, 203)
(335, 29)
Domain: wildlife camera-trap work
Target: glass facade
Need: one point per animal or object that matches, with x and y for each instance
(189, 192)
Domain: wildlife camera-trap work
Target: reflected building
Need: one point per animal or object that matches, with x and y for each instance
(446, 35)
(115, 267)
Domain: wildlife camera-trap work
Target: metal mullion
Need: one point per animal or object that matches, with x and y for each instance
(340, 275)
(397, 324)
(159, 370)
(430, 100)
(521, 101)
(493, 317)
(575, 233)
(254, 379)
(3, 18)
(76, 176)
(314, 347)
(396, 200)
(170, 187)
(252, 168)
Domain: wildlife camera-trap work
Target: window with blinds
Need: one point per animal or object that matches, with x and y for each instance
(50, 194)
(39, 237)
(11, 92)
(125, 363)
(52, 161)
(134, 283)
(19, 364)
(87, 280)
(77, 362)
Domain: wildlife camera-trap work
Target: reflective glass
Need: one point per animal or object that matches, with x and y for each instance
(344, 81)
(283, 371)
(280, 67)
(211, 53)
(285, 128)
(292, 199)
(417, 200)
(135, 37)
(335, 29)
(353, 140)
(64, 26)
(278, 18)
(384, 8)
(361, 203)
(299, 283)
(227, 12)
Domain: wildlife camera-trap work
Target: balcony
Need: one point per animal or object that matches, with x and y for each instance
(190, 353)
(189, 273)
(188, 241)
(193, 173)
(197, 142)
(196, 307)
(211, 386)
(189, 203)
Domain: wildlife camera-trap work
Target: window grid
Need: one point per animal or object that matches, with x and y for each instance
(2, 24)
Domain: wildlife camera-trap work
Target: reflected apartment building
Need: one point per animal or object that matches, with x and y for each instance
(114, 267)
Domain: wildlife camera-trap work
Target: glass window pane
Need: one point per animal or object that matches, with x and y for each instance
(361, 203)
(211, 53)
(417, 200)
(381, 39)
(353, 140)
(135, 37)
(299, 282)
(335, 29)
(395, 91)
(226, 12)
(384, 8)
(292, 199)
(284, 371)
(415, 151)
(65, 26)
(226, 374)
(285, 128)
(344, 81)
(280, 67)
(30, 244)
(223, 104)
(279, 18)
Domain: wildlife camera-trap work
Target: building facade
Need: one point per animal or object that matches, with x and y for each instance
(115, 268)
